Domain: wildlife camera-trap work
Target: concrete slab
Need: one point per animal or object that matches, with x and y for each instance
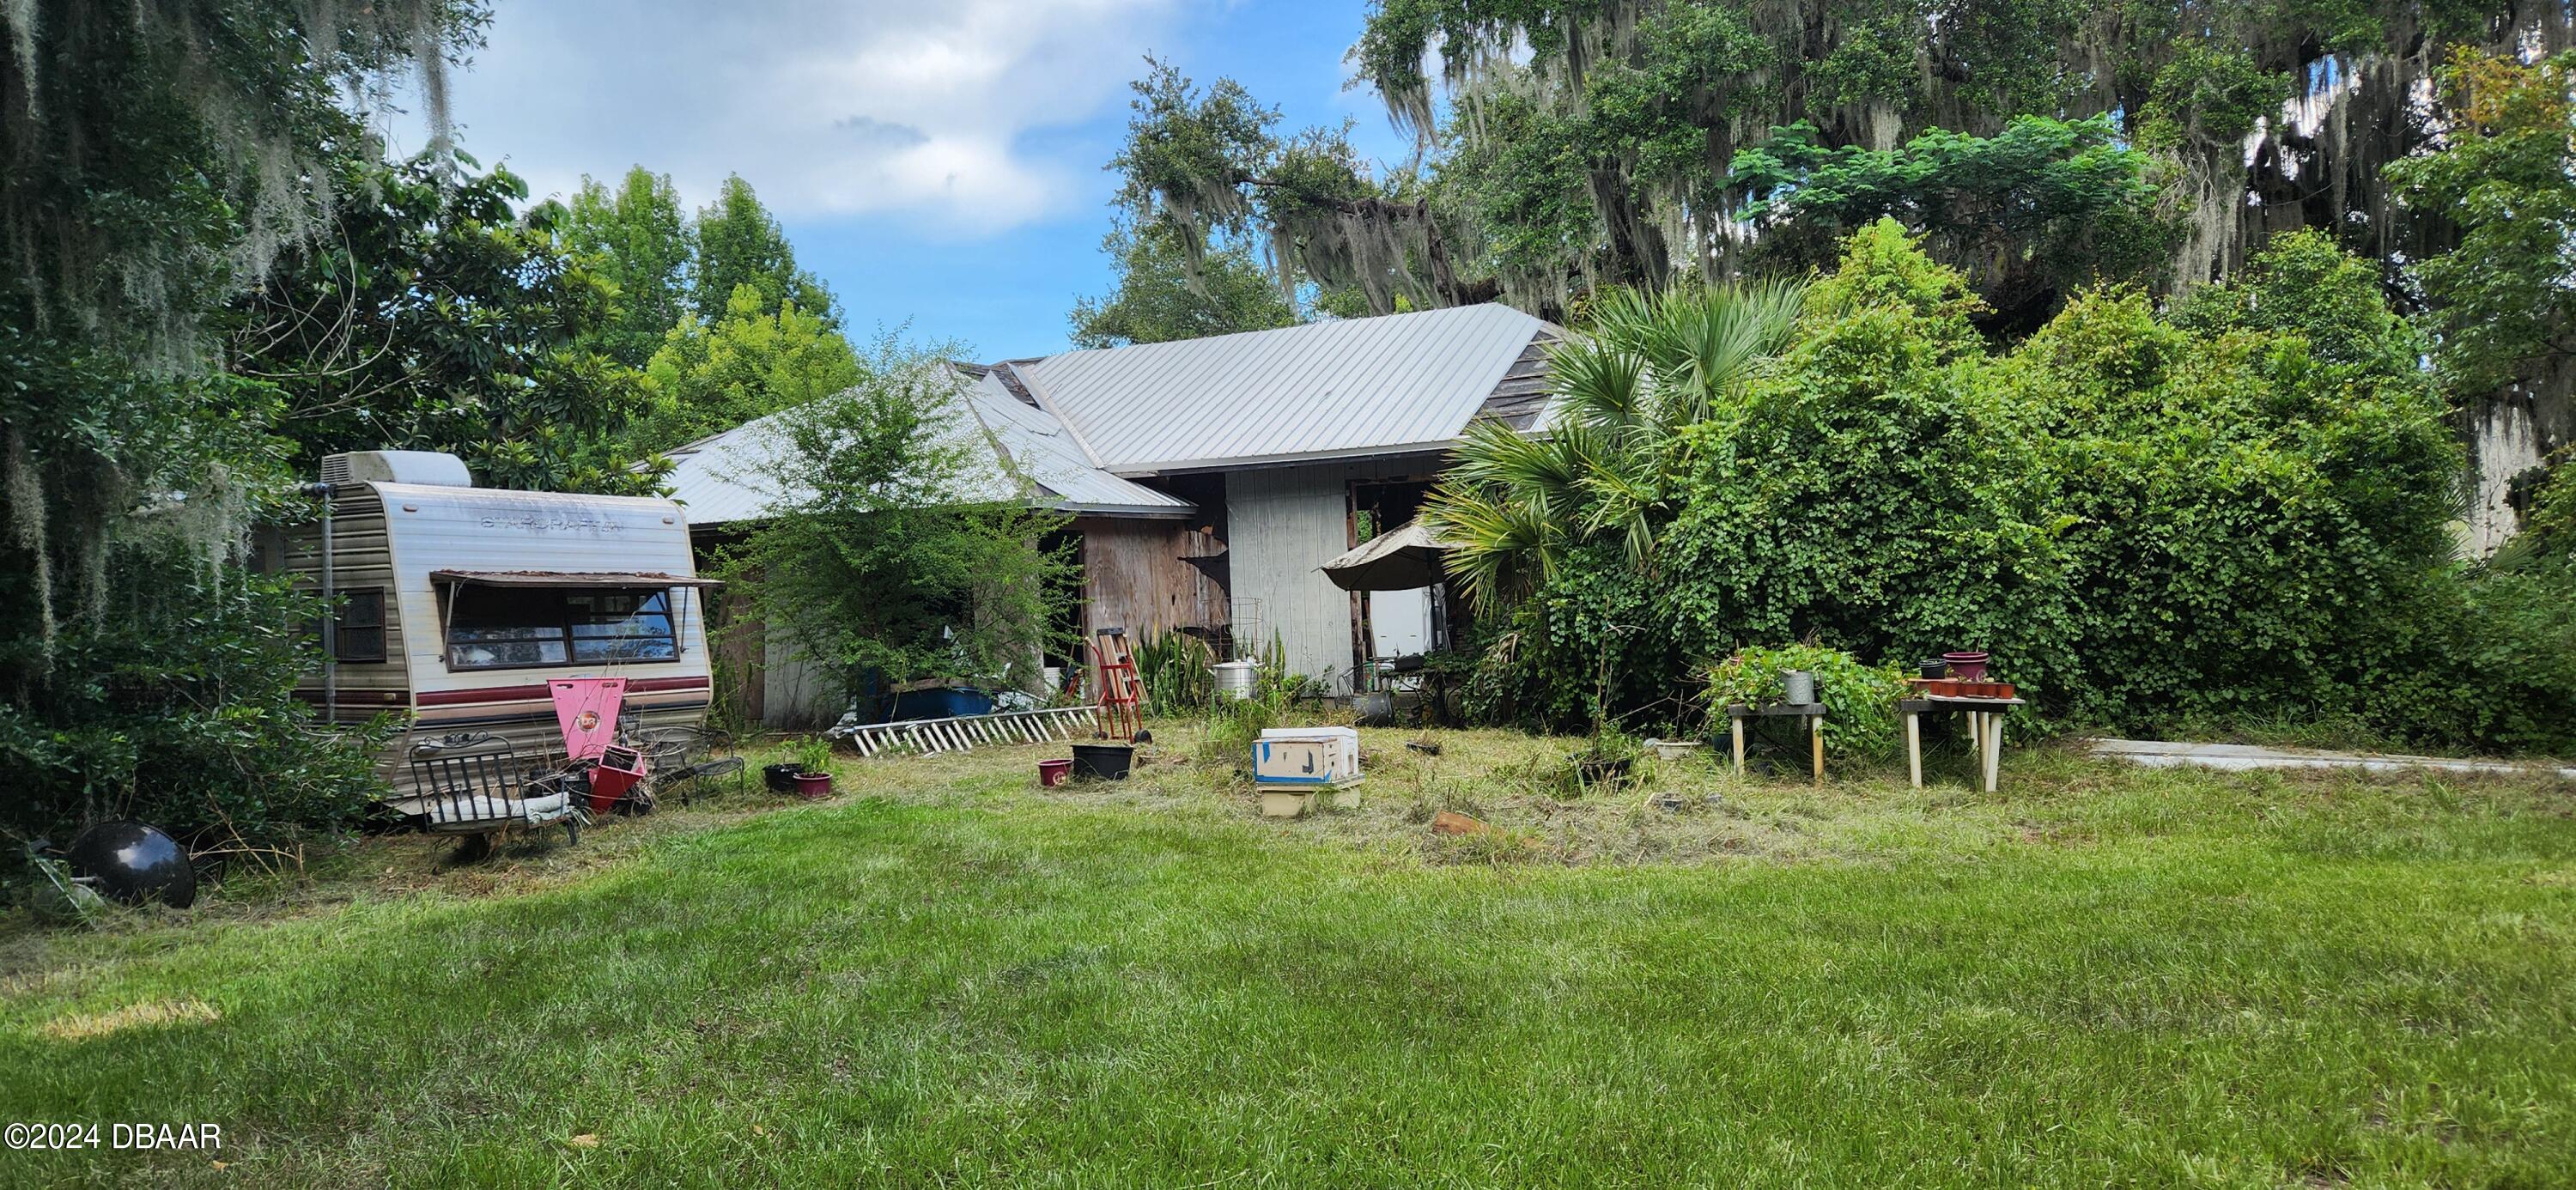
(2162, 754)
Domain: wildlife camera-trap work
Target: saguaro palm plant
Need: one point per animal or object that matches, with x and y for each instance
(1609, 457)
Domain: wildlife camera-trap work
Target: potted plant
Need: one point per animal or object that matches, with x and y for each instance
(813, 758)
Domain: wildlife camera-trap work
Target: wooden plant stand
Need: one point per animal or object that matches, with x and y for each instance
(1985, 731)
(1812, 712)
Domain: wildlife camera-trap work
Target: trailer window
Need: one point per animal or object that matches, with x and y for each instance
(621, 626)
(359, 633)
(508, 627)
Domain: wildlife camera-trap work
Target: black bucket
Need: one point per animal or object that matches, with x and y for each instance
(780, 778)
(1102, 762)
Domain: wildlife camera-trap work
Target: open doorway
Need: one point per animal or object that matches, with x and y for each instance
(1388, 625)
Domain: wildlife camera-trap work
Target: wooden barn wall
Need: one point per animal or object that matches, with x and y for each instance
(1283, 525)
(1133, 576)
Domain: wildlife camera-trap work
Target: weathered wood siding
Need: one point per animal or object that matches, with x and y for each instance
(1283, 524)
(361, 559)
(796, 695)
(1133, 576)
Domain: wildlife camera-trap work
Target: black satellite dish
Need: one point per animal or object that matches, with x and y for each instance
(134, 862)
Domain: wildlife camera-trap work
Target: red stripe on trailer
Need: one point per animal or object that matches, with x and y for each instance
(441, 698)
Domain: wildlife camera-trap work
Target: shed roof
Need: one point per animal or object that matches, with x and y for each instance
(1333, 389)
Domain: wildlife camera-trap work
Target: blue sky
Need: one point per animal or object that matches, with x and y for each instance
(937, 162)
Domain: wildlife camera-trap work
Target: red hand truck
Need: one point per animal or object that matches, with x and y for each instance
(1122, 693)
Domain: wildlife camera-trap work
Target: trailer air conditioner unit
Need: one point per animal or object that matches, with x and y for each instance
(436, 468)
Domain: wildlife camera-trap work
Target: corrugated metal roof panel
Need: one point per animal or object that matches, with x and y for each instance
(1346, 386)
(725, 478)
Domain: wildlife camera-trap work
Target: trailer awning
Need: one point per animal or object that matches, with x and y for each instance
(622, 580)
(1399, 559)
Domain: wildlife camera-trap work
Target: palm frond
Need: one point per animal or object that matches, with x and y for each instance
(1513, 505)
(1599, 385)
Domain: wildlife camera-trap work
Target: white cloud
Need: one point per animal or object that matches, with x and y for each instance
(937, 110)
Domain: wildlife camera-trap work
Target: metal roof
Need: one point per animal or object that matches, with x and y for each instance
(724, 478)
(619, 580)
(1039, 447)
(1337, 388)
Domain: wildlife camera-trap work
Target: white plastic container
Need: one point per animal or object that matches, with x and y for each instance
(1306, 756)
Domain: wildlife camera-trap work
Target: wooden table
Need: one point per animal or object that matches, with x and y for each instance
(1985, 730)
(1812, 712)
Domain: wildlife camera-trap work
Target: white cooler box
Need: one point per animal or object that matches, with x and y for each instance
(1307, 756)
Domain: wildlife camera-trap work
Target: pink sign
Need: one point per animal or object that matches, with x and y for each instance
(586, 709)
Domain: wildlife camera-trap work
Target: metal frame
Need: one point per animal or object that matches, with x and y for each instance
(963, 733)
(473, 783)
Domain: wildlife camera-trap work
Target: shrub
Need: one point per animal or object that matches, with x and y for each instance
(1860, 700)
(2235, 514)
(181, 712)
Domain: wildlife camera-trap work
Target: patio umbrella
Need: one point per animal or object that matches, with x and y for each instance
(1400, 559)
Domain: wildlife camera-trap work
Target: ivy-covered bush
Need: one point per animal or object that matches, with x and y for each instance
(2231, 513)
(2253, 493)
(1873, 493)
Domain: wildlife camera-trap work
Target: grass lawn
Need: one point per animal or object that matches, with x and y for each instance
(2098, 976)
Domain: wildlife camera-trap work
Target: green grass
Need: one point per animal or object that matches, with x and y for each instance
(2098, 976)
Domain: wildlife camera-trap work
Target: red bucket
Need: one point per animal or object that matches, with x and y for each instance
(618, 771)
(1052, 773)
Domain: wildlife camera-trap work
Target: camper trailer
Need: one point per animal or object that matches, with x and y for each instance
(458, 604)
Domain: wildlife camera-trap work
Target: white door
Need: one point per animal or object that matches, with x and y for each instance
(1400, 622)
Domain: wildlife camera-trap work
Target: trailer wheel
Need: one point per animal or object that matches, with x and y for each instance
(572, 832)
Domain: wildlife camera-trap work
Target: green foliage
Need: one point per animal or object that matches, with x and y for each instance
(1860, 700)
(759, 358)
(2505, 177)
(639, 241)
(739, 243)
(1205, 166)
(2039, 209)
(1611, 141)
(435, 318)
(889, 556)
(1514, 505)
(2549, 525)
(2209, 98)
(1870, 494)
(1233, 724)
(2233, 514)
(176, 706)
(160, 157)
(1158, 301)
(810, 754)
(1174, 666)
